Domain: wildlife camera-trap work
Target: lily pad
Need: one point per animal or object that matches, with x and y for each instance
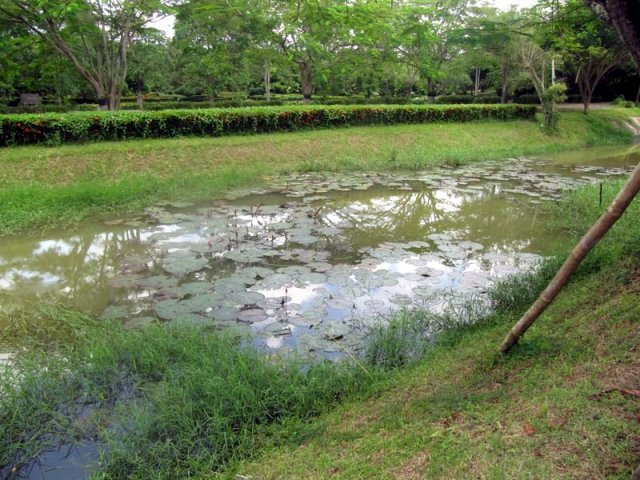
(340, 303)
(183, 264)
(251, 316)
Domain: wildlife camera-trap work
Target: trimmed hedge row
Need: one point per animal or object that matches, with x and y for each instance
(76, 127)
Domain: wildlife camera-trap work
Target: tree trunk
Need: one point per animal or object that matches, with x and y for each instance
(431, 90)
(267, 81)
(586, 92)
(505, 83)
(624, 15)
(306, 80)
(590, 239)
(553, 71)
(139, 99)
(476, 83)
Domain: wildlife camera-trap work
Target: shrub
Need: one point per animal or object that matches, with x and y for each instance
(454, 99)
(97, 126)
(486, 98)
(622, 102)
(527, 99)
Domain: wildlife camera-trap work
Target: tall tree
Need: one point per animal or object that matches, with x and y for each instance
(494, 34)
(94, 35)
(589, 47)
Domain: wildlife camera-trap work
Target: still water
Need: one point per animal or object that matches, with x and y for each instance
(306, 262)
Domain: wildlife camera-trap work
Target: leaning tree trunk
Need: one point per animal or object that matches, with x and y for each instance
(625, 17)
(591, 238)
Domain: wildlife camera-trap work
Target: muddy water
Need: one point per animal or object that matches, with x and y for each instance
(304, 263)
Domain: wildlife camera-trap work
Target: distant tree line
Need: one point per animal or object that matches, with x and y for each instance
(106, 51)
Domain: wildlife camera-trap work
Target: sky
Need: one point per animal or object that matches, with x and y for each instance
(505, 4)
(166, 24)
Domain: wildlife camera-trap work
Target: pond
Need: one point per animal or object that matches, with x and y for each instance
(305, 263)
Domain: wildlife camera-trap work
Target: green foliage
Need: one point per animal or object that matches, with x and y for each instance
(454, 99)
(182, 398)
(400, 340)
(485, 98)
(527, 99)
(550, 97)
(84, 126)
(622, 102)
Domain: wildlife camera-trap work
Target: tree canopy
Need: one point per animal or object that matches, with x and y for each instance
(422, 48)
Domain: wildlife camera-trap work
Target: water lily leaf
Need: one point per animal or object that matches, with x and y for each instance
(139, 322)
(183, 264)
(340, 303)
(169, 309)
(116, 312)
(159, 282)
(245, 297)
(193, 288)
(303, 321)
(314, 277)
(333, 331)
(200, 303)
(251, 316)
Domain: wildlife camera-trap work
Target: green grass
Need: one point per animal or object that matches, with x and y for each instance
(552, 408)
(45, 186)
(176, 401)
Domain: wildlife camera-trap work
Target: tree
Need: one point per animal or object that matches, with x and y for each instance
(494, 34)
(536, 62)
(625, 17)
(589, 47)
(94, 35)
(150, 64)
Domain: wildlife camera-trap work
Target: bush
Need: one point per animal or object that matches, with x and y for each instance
(622, 102)
(454, 99)
(44, 108)
(183, 105)
(97, 126)
(527, 99)
(486, 98)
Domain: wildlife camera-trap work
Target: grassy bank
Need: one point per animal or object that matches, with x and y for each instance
(177, 402)
(45, 186)
(563, 404)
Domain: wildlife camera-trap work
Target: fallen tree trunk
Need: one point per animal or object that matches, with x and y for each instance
(590, 239)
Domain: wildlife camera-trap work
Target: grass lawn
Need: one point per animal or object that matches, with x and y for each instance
(42, 186)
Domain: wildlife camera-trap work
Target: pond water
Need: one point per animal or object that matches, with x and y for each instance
(306, 262)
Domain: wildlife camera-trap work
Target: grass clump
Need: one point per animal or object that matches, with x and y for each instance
(163, 401)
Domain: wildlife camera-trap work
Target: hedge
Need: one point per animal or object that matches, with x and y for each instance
(76, 127)
(485, 98)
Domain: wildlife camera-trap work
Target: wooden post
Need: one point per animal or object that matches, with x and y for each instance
(584, 246)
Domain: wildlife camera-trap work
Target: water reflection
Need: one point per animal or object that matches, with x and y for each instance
(306, 265)
(76, 267)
